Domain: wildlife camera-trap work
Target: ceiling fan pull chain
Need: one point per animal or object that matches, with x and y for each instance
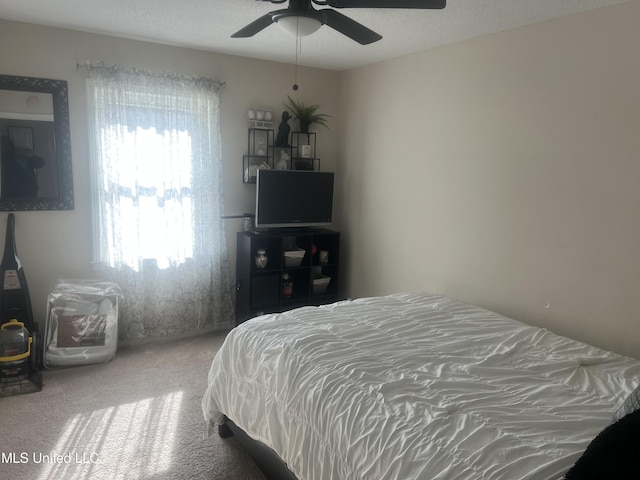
(298, 45)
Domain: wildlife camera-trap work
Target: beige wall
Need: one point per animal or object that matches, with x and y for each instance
(504, 171)
(56, 245)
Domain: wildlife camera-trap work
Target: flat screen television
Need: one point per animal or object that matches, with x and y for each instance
(293, 198)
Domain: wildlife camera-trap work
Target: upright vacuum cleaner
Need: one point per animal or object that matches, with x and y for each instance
(20, 349)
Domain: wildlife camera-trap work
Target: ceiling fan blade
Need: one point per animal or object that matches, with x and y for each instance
(352, 29)
(425, 4)
(254, 27)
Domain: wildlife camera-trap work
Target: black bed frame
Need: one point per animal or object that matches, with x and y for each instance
(265, 458)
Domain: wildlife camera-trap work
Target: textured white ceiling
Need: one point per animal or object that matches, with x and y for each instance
(208, 25)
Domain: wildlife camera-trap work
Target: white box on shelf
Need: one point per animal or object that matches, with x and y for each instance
(293, 258)
(320, 284)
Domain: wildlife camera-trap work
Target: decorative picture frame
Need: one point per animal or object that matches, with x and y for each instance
(61, 196)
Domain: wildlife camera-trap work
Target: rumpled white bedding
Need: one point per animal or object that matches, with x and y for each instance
(415, 386)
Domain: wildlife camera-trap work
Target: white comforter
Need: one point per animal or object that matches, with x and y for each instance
(415, 386)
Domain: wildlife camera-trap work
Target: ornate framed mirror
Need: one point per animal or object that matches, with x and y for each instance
(35, 159)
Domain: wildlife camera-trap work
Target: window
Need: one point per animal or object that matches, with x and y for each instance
(157, 168)
(157, 195)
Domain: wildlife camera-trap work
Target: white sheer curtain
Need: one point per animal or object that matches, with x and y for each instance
(157, 199)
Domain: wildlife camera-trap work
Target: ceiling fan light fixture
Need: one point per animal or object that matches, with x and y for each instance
(299, 25)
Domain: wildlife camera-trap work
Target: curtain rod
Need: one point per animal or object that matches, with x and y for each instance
(90, 65)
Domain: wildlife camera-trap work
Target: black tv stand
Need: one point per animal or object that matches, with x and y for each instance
(314, 279)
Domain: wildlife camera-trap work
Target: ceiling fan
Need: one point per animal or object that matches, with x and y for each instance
(300, 18)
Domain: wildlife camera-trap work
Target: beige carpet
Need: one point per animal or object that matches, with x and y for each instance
(135, 417)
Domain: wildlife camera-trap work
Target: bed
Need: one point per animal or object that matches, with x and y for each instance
(413, 386)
